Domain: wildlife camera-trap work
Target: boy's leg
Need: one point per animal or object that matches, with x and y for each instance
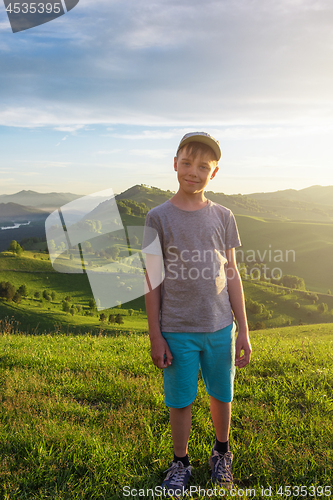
(221, 415)
(180, 421)
(221, 458)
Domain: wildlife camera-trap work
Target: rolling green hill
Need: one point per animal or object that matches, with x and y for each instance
(36, 314)
(303, 249)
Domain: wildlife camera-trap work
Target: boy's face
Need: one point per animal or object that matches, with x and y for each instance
(194, 172)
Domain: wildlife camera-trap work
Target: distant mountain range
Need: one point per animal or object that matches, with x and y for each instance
(10, 210)
(48, 201)
(314, 203)
(322, 195)
(311, 204)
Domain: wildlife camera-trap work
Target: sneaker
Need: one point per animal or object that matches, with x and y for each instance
(220, 463)
(176, 479)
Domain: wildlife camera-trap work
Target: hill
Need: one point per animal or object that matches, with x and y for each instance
(313, 203)
(36, 313)
(14, 210)
(271, 225)
(303, 249)
(151, 196)
(40, 200)
(322, 195)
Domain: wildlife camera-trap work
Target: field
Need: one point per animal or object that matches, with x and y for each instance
(312, 244)
(82, 416)
(35, 270)
(37, 315)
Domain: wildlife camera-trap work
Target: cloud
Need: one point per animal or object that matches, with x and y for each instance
(172, 64)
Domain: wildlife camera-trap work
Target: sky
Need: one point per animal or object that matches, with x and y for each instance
(101, 96)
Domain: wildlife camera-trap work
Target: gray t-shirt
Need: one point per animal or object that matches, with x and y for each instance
(194, 291)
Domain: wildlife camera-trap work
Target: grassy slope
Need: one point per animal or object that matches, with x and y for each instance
(312, 243)
(81, 417)
(39, 275)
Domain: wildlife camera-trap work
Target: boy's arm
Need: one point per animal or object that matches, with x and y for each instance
(159, 349)
(236, 296)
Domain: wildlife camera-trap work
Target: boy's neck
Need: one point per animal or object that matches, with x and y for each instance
(191, 202)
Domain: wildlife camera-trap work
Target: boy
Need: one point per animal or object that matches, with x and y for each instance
(190, 315)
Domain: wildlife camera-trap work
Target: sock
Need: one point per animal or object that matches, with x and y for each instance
(221, 447)
(185, 461)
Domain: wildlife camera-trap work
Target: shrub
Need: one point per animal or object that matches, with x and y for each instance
(17, 297)
(7, 290)
(119, 319)
(65, 306)
(322, 308)
(23, 290)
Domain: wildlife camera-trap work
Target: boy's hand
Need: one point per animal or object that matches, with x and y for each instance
(160, 352)
(243, 344)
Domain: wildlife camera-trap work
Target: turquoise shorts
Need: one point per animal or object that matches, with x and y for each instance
(213, 352)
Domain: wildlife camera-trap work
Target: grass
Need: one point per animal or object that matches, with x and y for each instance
(311, 241)
(35, 270)
(83, 416)
(281, 301)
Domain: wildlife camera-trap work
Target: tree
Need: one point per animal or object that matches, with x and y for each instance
(293, 282)
(12, 246)
(7, 290)
(92, 304)
(17, 297)
(112, 319)
(23, 290)
(86, 246)
(37, 295)
(46, 295)
(102, 317)
(52, 246)
(113, 252)
(119, 319)
(19, 250)
(322, 308)
(65, 306)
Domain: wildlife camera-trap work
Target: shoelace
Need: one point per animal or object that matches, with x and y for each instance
(178, 474)
(220, 467)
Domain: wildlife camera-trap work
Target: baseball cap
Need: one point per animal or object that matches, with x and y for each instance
(205, 139)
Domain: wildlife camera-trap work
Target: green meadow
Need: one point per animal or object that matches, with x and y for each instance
(303, 249)
(281, 306)
(82, 417)
(82, 411)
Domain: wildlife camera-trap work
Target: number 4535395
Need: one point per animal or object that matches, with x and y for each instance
(303, 491)
(33, 8)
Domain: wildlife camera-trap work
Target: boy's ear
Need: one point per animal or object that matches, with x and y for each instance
(175, 160)
(216, 169)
